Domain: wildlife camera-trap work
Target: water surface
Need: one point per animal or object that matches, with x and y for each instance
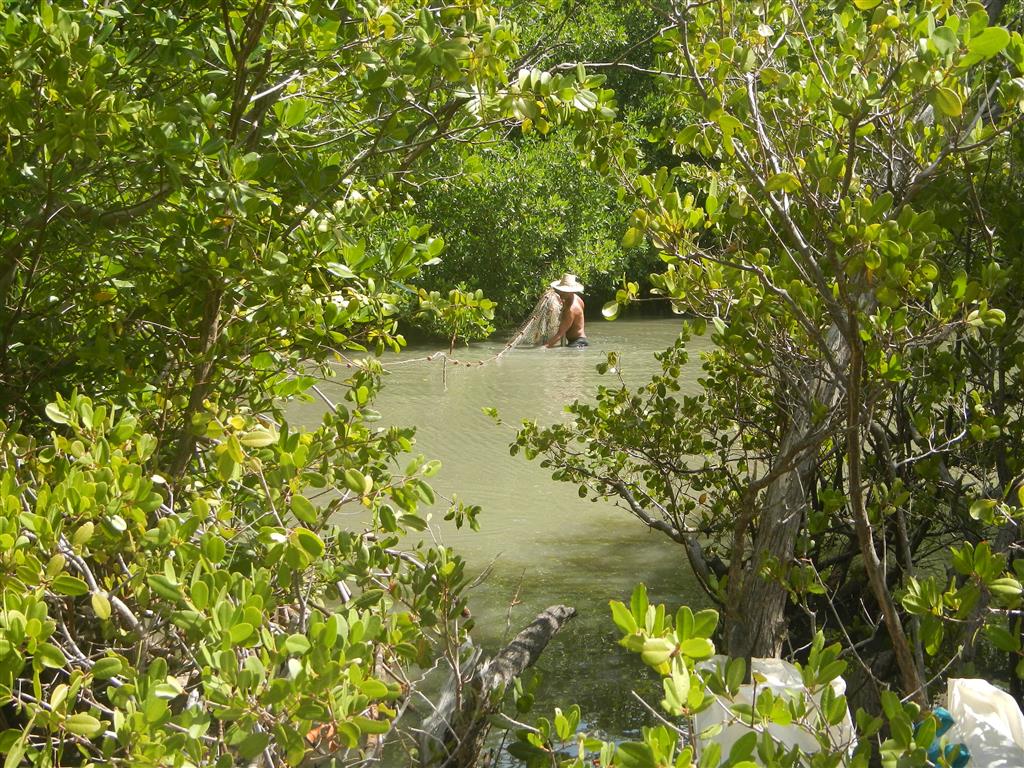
(546, 545)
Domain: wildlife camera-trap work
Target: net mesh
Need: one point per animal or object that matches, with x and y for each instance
(541, 324)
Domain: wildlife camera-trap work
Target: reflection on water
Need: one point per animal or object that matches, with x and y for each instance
(548, 545)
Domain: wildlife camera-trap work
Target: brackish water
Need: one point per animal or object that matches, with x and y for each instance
(545, 544)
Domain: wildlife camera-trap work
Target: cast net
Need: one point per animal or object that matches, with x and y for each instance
(541, 324)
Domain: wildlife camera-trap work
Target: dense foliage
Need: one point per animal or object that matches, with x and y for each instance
(210, 207)
(183, 181)
(189, 194)
(842, 218)
(519, 213)
(230, 620)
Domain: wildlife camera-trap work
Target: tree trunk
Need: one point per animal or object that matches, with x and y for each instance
(202, 378)
(913, 683)
(755, 614)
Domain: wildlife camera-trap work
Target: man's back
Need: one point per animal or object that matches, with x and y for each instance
(574, 310)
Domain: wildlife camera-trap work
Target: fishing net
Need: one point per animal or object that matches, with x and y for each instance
(541, 325)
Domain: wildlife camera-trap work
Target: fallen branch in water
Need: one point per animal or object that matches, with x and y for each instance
(454, 734)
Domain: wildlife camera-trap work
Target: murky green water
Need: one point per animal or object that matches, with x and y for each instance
(547, 545)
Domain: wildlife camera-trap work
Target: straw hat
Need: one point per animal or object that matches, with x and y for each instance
(568, 284)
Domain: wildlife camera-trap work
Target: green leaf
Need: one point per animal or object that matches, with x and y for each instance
(226, 466)
(697, 648)
(729, 125)
(656, 651)
(525, 751)
(235, 449)
(164, 586)
(705, 622)
(83, 534)
(947, 102)
(374, 689)
(16, 751)
(82, 724)
(309, 541)
(743, 747)
(632, 238)
(264, 361)
(415, 522)
(258, 438)
(355, 481)
(303, 509)
(610, 311)
(70, 585)
(891, 705)
(1003, 639)
(945, 40)
(101, 605)
(734, 673)
(295, 111)
(525, 109)
(253, 744)
(982, 508)
(107, 667)
(1006, 588)
(297, 644)
(368, 725)
(622, 617)
(585, 100)
(638, 604)
(782, 182)
(213, 547)
(561, 725)
(46, 14)
(633, 755)
(991, 41)
(56, 415)
(866, 5)
(677, 687)
(170, 690)
(50, 656)
(240, 632)
(200, 595)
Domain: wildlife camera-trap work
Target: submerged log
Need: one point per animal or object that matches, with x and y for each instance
(454, 734)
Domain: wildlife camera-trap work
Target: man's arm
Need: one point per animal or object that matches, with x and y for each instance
(562, 328)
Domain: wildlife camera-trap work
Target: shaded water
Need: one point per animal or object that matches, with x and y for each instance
(547, 545)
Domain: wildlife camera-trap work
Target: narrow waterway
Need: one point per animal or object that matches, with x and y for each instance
(545, 545)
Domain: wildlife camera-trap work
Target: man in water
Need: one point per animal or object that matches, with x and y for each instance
(570, 327)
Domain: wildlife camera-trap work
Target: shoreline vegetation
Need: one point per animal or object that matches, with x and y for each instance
(203, 199)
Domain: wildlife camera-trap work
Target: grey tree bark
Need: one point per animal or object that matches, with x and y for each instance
(755, 620)
(453, 736)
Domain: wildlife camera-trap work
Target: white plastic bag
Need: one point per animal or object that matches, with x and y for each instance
(784, 679)
(988, 721)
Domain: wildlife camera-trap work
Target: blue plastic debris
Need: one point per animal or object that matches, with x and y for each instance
(955, 755)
